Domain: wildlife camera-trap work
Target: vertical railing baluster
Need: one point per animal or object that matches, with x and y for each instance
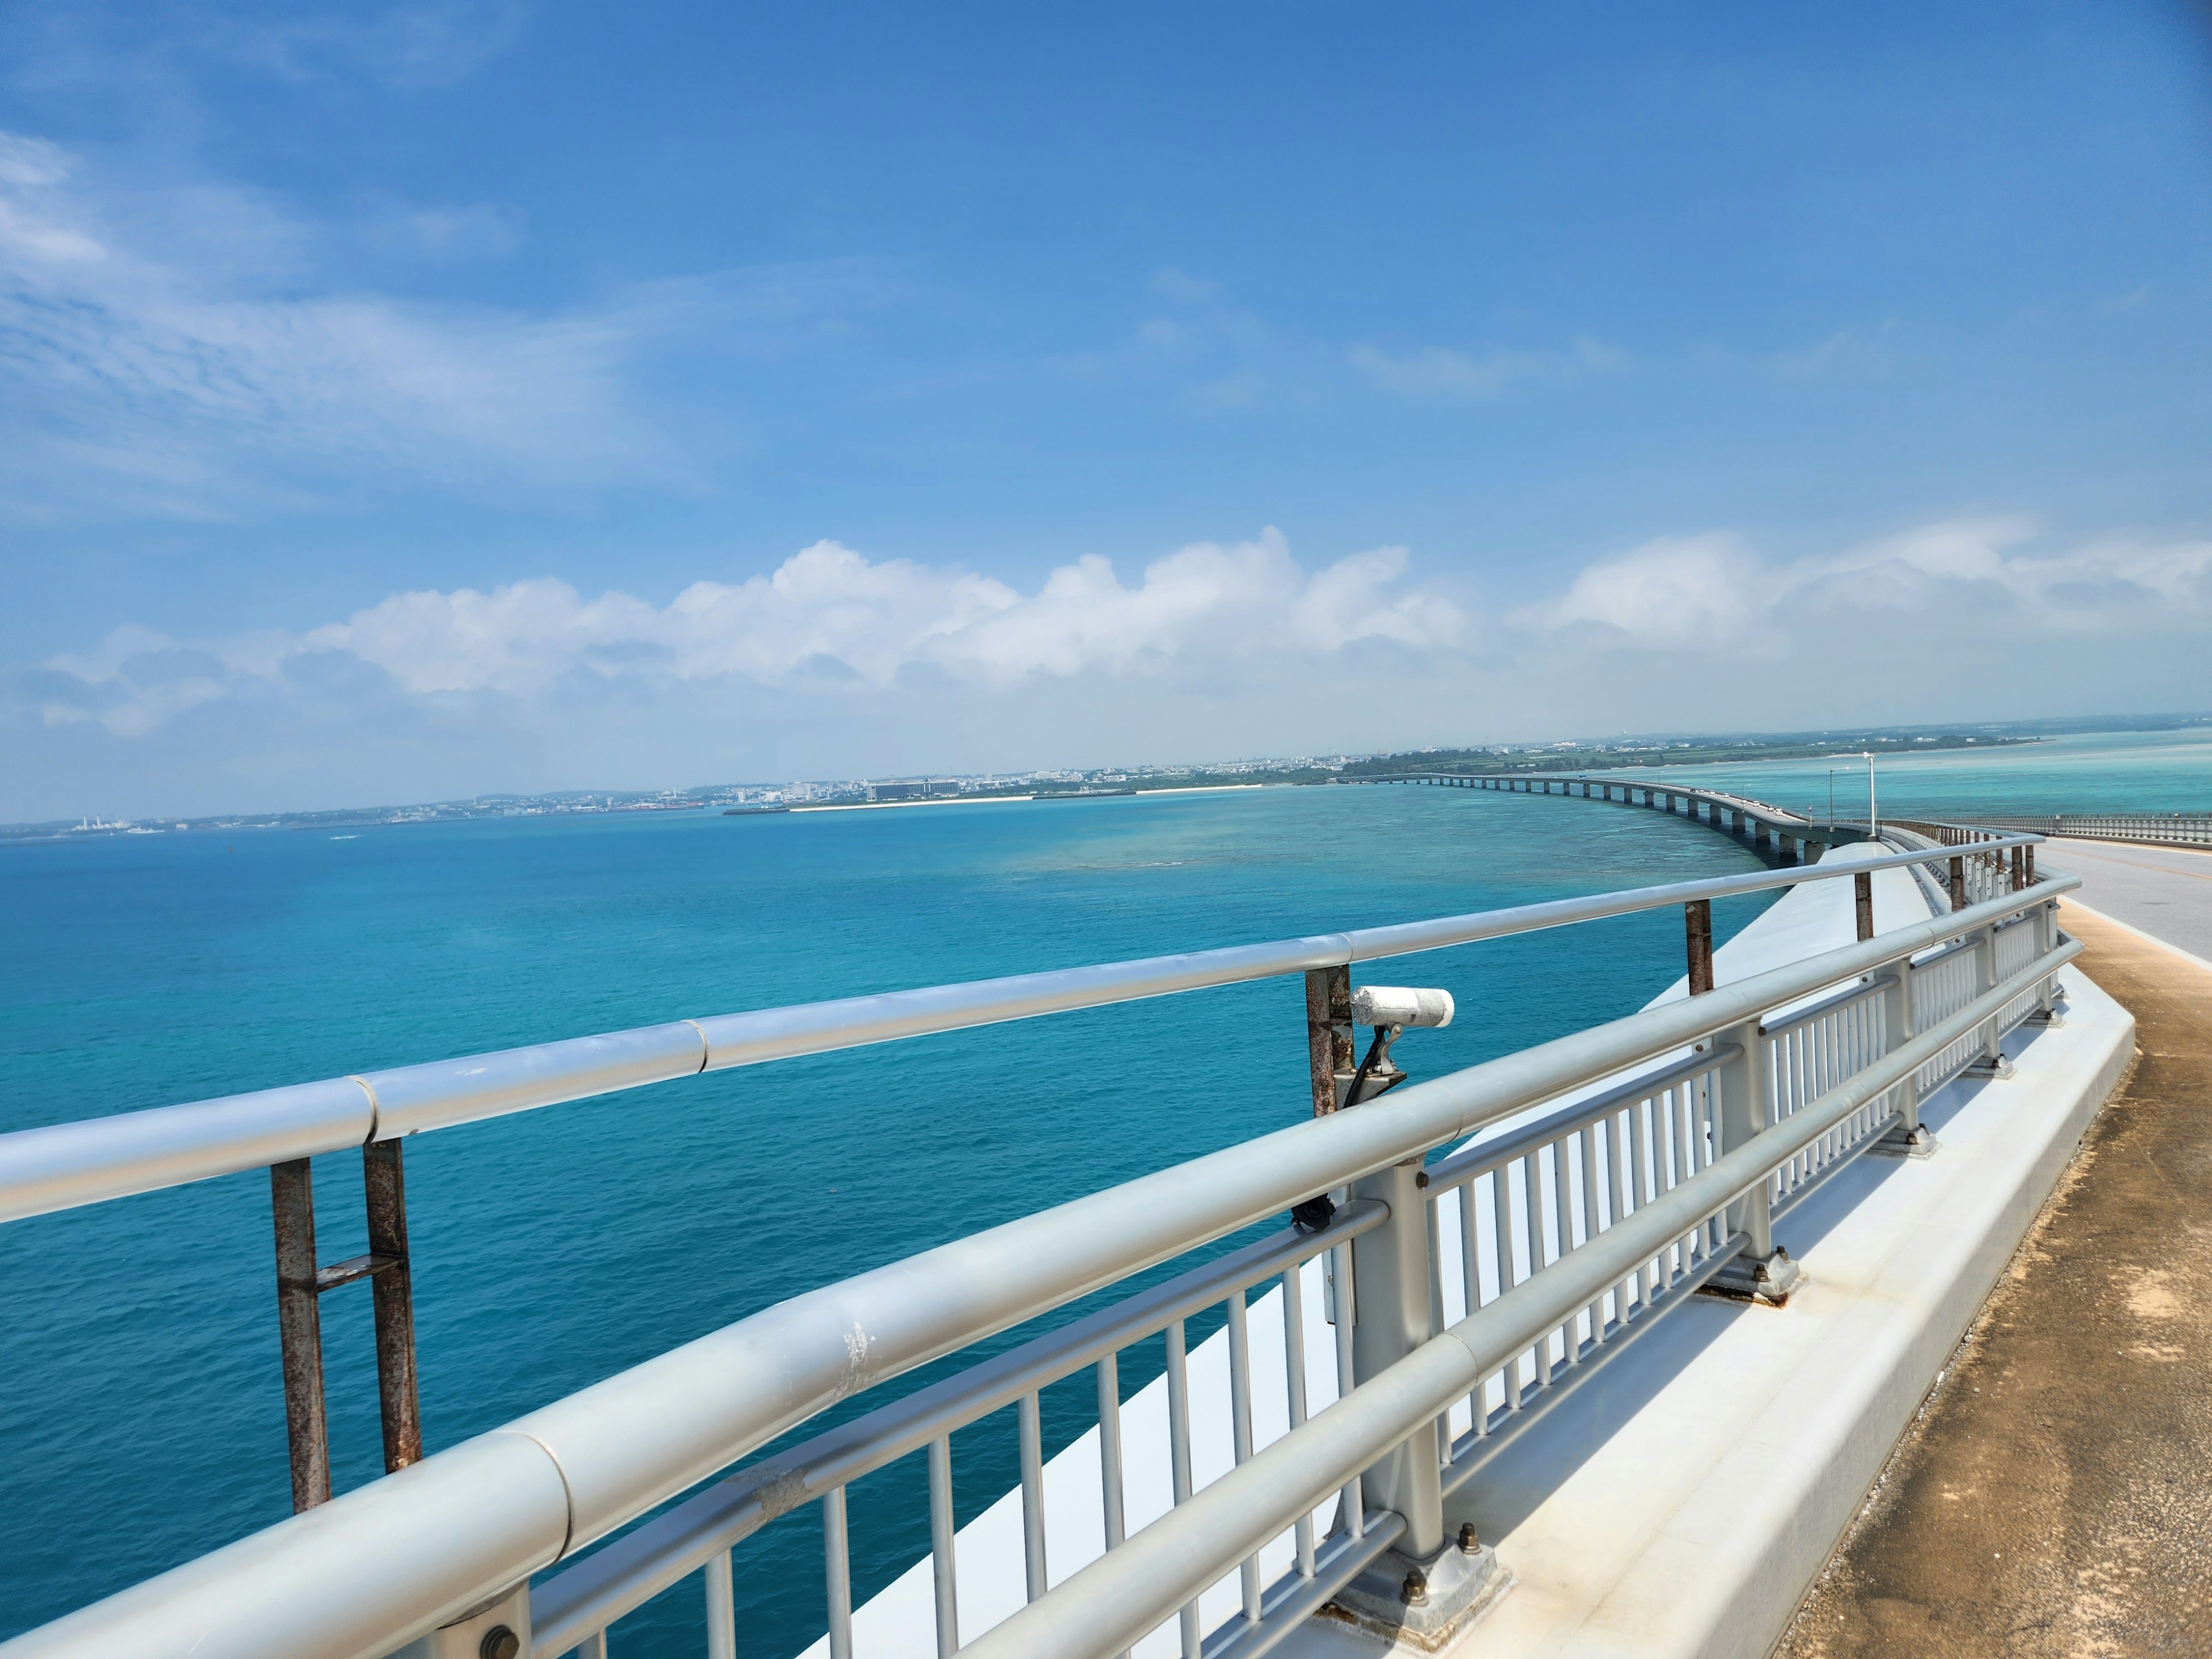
(1032, 1440)
(1471, 1274)
(1179, 1458)
(721, 1609)
(1436, 1321)
(1111, 1488)
(1501, 1223)
(1563, 1220)
(1351, 1511)
(1532, 1184)
(1617, 1198)
(837, 1573)
(1639, 1113)
(593, 1646)
(944, 1548)
(1240, 1428)
(1586, 1155)
(1294, 1378)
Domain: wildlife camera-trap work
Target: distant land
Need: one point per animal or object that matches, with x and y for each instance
(1584, 755)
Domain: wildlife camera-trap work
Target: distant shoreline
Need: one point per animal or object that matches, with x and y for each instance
(993, 801)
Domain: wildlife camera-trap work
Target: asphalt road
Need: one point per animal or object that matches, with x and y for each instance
(2166, 891)
(2052, 1499)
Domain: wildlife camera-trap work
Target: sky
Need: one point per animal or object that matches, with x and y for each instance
(403, 402)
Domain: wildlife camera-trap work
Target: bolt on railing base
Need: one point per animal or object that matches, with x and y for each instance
(2045, 1019)
(1750, 1278)
(1898, 1141)
(500, 1629)
(1989, 1069)
(1424, 1605)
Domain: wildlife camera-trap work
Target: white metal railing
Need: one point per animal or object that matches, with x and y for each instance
(1570, 1234)
(1578, 1313)
(2155, 828)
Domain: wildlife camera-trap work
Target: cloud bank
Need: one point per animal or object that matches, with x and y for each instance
(837, 663)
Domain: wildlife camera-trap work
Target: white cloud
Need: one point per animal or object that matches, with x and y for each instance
(827, 608)
(835, 663)
(827, 620)
(1672, 592)
(174, 349)
(1710, 592)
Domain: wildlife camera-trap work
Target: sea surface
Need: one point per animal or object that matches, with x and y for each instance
(141, 1407)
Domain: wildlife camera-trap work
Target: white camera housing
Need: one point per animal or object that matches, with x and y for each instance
(1399, 1004)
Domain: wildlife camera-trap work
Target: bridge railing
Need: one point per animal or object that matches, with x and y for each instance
(2153, 829)
(1713, 1114)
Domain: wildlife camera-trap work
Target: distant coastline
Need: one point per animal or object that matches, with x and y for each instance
(1624, 753)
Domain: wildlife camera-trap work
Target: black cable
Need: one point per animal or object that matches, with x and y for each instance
(1317, 1211)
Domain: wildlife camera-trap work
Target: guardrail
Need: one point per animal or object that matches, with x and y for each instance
(2151, 828)
(1717, 1114)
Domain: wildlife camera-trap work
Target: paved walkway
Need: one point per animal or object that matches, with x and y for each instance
(2055, 1497)
(2165, 891)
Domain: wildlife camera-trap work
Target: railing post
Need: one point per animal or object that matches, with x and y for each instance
(2046, 940)
(1390, 1293)
(1958, 884)
(1698, 930)
(1763, 1272)
(1907, 1137)
(1423, 1587)
(1862, 902)
(300, 1332)
(1992, 1063)
(393, 1290)
(1329, 1032)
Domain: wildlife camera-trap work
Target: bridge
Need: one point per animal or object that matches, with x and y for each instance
(1788, 836)
(1598, 1343)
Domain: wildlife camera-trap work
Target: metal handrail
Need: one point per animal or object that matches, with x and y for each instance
(66, 1165)
(375, 1568)
(1104, 1608)
(589, 1596)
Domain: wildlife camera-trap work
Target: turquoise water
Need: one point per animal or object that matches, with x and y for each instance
(2096, 772)
(140, 1410)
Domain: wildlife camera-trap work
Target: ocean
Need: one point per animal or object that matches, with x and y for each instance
(141, 1407)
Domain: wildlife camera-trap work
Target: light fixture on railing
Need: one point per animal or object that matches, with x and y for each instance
(1390, 1009)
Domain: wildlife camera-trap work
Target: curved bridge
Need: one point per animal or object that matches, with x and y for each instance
(1790, 838)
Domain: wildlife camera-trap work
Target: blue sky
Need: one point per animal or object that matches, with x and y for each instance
(401, 402)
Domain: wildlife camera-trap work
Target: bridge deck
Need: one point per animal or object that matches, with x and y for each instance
(2052, 1499)
(2164, 891)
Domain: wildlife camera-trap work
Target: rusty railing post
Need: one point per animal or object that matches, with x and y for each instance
(1863, 901)
(1329, 1032)
(1697, 928)
(384, 1184)
(300, 1329)
(1958, 884)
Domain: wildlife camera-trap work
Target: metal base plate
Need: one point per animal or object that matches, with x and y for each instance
(1749, 1279)
(1901, 1142)
(1461, 1587)
(1995, 1070)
